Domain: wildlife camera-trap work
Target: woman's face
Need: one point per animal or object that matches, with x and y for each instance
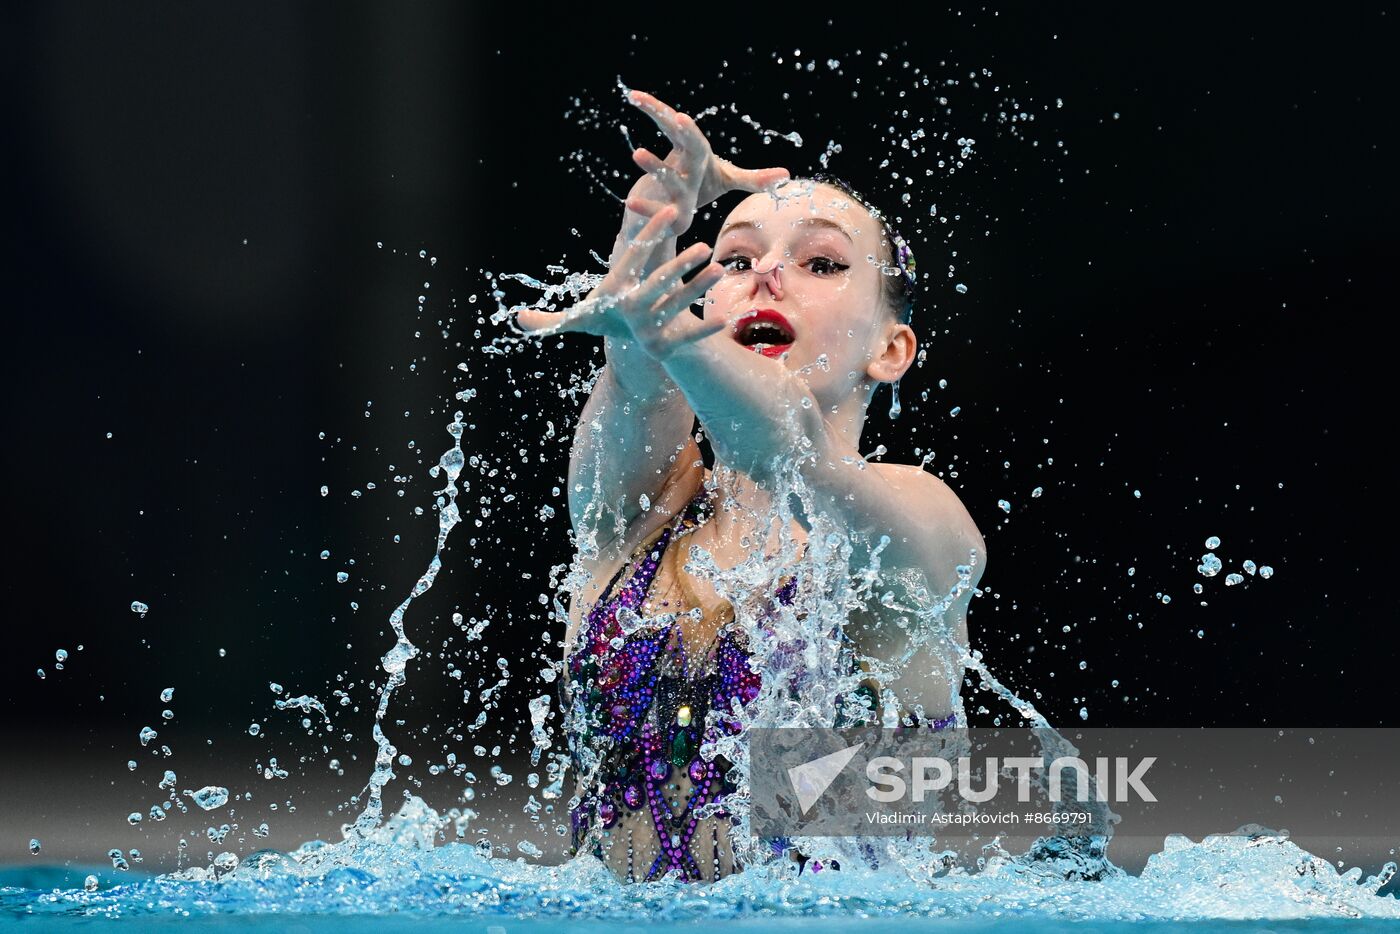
(803, 282)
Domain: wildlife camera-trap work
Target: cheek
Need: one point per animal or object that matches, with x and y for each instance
(717, 294)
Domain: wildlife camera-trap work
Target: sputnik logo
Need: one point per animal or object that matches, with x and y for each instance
(810, 779)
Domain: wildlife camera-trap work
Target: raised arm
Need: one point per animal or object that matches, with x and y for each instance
(633, 461)
(633, 435)
(758, 414)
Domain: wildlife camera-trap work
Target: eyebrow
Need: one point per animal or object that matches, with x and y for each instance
(811, 222)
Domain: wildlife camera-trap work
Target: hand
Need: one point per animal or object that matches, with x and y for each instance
(636, 302)
(691, 176)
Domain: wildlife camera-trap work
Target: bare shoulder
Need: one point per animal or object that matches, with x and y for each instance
(925, 491)
(935, 503)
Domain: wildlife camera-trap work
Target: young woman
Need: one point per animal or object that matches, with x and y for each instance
(805, 313)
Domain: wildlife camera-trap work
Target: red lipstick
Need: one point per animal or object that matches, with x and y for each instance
(766, 331)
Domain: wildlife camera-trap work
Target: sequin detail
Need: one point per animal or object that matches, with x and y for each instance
(646, 714)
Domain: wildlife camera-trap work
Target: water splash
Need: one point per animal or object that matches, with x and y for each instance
(414, 862)
(410, 868)
(395, 661)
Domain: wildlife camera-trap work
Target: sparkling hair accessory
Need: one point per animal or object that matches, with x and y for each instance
(904, 259)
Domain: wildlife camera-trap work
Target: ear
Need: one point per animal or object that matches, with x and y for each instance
(894, 353)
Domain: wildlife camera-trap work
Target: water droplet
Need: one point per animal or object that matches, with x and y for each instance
(139, 608)
(133, 818)
(960, 289)
(34, 847)
(341, 577)
(40, 673)
(90, 884)
(225, 863)
(1035, 494)
(1250, 567)
(895, 407)
(254, 729)
(1137, 494)
(1210, 565)
(61, 655)
(1233, 579)
(1084, 713)
(1004, 505)
(955, 411)
(146, 735)
(131, 765)
(325, 490)
(1266, 572)
(167, 695)
(1212, 543)
(209, 797)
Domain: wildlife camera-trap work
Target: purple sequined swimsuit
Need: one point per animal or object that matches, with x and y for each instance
(637, 706)
(634, 704)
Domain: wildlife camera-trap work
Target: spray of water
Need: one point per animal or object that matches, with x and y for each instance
(395, 661)
(794, 646)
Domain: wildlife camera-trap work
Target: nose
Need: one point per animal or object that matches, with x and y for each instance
(772, 277)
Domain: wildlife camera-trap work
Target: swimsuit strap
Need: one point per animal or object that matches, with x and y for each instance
(646, 559)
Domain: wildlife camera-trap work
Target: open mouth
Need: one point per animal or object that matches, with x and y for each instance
(764, 331)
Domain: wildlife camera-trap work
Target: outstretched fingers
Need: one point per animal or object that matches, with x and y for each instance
(685, 294)
(649, 162)
(669, 178)
(681, 129)
(643, 235)
(674, 330)
(666, 117)
(668, 274)
(661, 318)
(644, 208)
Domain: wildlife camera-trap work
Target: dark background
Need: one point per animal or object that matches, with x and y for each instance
(1178, 282)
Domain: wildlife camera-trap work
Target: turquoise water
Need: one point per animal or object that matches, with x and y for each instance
(398, 878)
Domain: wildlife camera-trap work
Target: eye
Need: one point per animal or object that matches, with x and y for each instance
(825, 266)
(733, 262)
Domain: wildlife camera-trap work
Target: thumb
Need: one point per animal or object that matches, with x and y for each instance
(533, 320)
(756, 179)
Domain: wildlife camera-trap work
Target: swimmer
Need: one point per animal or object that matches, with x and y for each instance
(807, 295)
